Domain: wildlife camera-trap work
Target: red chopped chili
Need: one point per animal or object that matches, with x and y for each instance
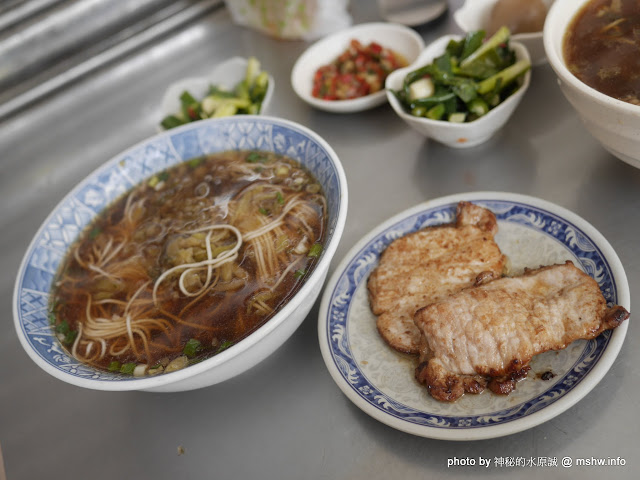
(358, 71)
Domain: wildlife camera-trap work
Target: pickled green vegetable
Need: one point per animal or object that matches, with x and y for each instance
(469, 79)
(245, 98)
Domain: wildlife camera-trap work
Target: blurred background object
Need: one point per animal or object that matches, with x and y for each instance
(411, 12)
(291, 19)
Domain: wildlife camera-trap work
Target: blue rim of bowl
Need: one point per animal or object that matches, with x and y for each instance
(585, 243)
(121, 173)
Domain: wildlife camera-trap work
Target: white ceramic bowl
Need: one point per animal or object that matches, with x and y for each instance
(456, 135)
(227, 74)
(474, 15)
(401, 39)
(82, 204)
(614, 123)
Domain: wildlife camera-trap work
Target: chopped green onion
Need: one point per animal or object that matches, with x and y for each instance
(163, 176)
(194, 162)
(279, 198)
(254, 157)
(472, 42)
(436, 112)
(95, 231)
(498, 38)
(70, 337)
(187, 99)
(114, 366)
(225, 110)
(171, 121)
(263, 211)
(128, 368)
(504, 78)
(299, 273)
(315, 250)
(192, 347)
(478, 107)
(458, 117)
(63, 328)
(224, 345)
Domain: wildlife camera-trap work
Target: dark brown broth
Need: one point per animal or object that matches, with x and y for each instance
(182, 199)
(602, 48)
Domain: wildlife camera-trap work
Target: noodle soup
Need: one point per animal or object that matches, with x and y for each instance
(601, 48)
(189, 262)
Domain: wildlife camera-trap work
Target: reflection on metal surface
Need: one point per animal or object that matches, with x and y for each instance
(47, 44)
(15, 13)
(3, 475)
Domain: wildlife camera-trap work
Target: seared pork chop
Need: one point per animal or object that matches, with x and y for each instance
(490, 332)
(426, 266)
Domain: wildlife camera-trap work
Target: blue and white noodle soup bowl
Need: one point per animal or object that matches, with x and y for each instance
(31, 301)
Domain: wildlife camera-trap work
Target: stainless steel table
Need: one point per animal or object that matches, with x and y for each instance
(286, 419)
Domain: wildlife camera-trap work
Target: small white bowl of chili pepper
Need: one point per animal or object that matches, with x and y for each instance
(346, 72)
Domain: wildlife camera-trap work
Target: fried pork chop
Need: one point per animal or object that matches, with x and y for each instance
(490, 332)
(427, 266)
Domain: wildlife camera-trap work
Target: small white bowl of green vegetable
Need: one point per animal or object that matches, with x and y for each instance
(236, 86)
(462, 90)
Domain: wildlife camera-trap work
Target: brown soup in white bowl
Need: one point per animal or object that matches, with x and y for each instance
(602, 48)
(609, 110)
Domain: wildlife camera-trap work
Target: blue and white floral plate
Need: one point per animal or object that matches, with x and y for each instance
(380, 381)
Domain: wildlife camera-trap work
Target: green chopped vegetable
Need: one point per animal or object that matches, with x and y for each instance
(95, 231)
(436, 112)
(501, 79)
(300, 273)
(192, 347)
(224, 345)
(128, 368)
(245, 97)
(70, 337)
(478, 107)
(279, 198)
(466, 81)
(225, 110)
(215, 91)
(498, 38)
(472, 43)
(194, 162)
(114, 366)
(457, 117)
(315, 250)
(66, 335)
(255, 157)
(263, 211)
(171, 121)
(187, 99)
